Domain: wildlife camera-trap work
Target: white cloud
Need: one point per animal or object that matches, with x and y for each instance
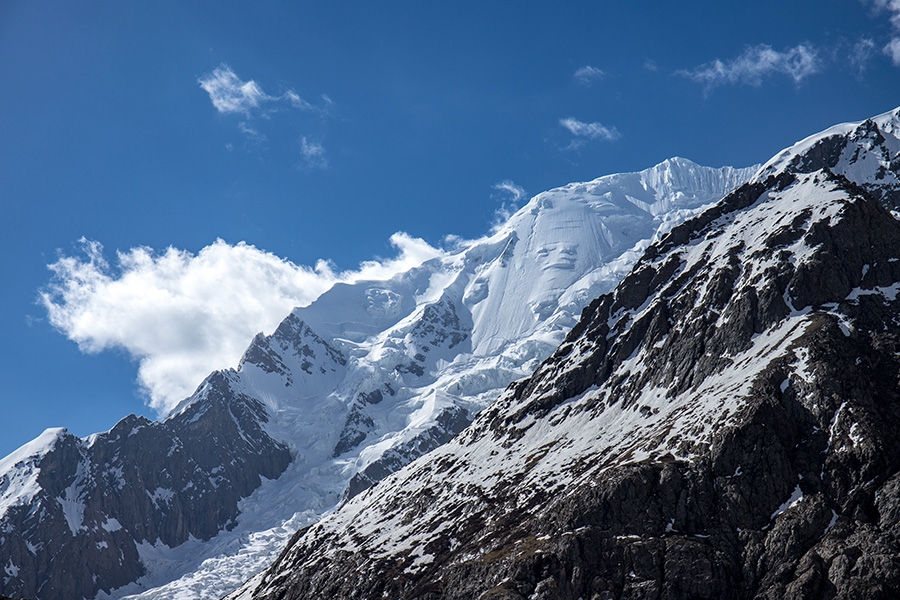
(892, 6)
(509, 195)
(587, 74)
(861, 53)
(513, 192)
(296, 101)
(232, 95)
(254, 137)
(313, 154)
(893, 50)
(756, 64)
(229, 94)
(180, 315)
(592, 131)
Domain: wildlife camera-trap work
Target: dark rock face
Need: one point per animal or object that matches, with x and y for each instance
(862, 153)
(722, 425)
(448, 423)
(143, 481)
(292, 338)
(439, 328)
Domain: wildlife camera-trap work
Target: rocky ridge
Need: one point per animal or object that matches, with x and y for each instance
(80, 510)
(721, 424)
(344, 392)
(428, 349)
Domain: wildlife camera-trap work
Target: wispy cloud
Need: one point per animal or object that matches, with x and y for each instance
(255, 138)
(756, 64)
(892, 48)
(510, 190)
(861, 53)
(313, 154)
(589, 74)
(181, 315)
(298, 102)
(510, 196)
(229, 94)
(593, 131)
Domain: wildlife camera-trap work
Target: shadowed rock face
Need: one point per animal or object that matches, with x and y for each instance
(724, 424)
(141, 482)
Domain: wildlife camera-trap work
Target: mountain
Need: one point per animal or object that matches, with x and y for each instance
(75, 513)
(722, 424)
(344, 392)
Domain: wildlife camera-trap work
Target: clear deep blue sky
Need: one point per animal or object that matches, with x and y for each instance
(371, 118)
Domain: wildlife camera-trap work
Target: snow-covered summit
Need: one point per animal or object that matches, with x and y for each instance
(402, 365)
(722, 424)
(374, 374)
(865, 152)
(20, 469)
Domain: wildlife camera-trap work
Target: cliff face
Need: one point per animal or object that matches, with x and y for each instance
(348, 389)
(723, 424)
(78, 511)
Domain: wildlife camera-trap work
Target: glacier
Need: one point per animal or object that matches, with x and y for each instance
(373, 374)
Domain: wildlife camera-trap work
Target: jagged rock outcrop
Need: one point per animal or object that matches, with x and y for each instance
(74, 512)
(722, 425)
(353, 387)
(867, 153)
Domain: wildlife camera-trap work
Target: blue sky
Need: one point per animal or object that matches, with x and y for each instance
(184, 167)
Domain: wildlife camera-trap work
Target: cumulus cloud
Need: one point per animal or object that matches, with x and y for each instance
(588, 74)
(313, 154)
(593, 131)
(180, 315)
(756, 64)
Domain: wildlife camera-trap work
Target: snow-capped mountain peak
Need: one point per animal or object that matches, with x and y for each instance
(364, 380)
(866, 152)
(722, 423)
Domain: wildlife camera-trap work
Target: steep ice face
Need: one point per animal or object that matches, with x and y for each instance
(374, 374)
(569, 245)
(404, 364)
(716, 324)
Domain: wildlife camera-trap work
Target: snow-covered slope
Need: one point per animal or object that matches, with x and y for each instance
(372, 375)
(723, 424)
(375, 374)
(867, 153)
(76, 515)
(356, 385)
